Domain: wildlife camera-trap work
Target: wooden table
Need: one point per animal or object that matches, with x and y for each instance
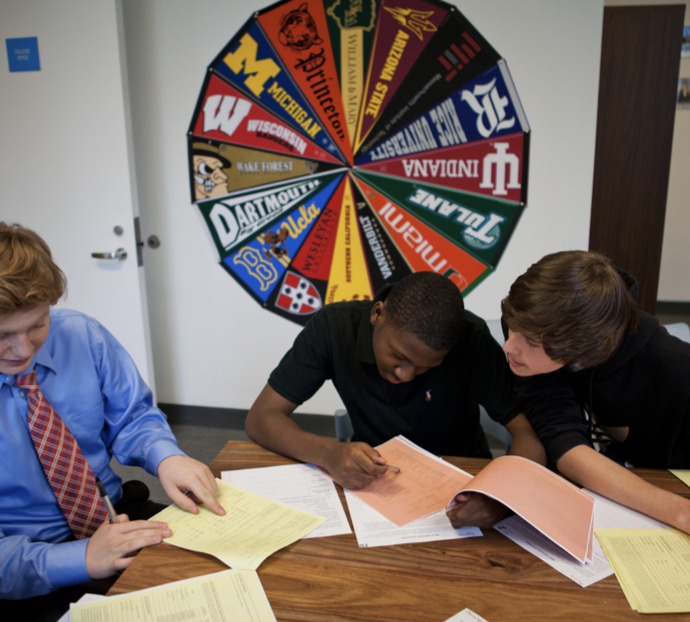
(332, 579)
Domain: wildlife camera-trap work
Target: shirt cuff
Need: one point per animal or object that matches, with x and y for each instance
(284, 393)
(66, 563)
(159, 452)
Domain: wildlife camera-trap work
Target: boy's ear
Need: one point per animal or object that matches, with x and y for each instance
(377, 312)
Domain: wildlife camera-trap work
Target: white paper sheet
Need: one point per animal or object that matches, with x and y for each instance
(373, 529)
(301, 486)
(607, 515)
(466, 615)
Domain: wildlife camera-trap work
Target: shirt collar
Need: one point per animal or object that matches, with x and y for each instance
(43, 358)
(365, 332)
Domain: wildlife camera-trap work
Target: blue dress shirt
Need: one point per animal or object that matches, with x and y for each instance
(93, 384)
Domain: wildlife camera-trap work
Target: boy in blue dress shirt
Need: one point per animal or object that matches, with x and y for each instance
(88, 379)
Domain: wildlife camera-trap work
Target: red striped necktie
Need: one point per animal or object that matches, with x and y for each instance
(66, 469)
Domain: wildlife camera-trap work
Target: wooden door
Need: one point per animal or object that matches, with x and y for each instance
(640, 58)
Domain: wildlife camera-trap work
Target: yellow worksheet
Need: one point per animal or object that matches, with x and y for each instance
(252, 529)
(652, 566)
(683, 475)
(235, 595)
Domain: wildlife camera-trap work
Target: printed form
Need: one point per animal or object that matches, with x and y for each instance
(682, 474)
(466, 615)
(86, 598)
(301, 486)
(235, 595)
(424, 485)
(373, 529)
(252, 529)
(652, 567)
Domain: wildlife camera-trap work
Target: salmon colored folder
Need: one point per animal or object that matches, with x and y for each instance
(561, 511)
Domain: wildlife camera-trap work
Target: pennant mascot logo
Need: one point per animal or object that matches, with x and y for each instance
(298, 296)
(298, 30)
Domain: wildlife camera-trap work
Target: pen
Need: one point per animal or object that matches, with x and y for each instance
(106, 501)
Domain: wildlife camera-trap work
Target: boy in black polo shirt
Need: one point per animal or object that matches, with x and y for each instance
(410, 362)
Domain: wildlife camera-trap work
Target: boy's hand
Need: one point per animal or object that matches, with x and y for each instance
(109, 548)
(180, 474)
(473, 509)
(354, 465)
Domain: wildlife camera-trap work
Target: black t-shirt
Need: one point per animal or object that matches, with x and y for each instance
(644, 386)
(438, 410)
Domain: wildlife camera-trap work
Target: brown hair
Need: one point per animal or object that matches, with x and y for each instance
(576, 304)
(28, 274)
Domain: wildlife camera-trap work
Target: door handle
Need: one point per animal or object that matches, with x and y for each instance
(120, 254)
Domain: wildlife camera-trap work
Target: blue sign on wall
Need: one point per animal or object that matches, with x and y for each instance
(22, 54)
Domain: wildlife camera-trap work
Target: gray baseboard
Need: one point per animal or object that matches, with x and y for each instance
(233, 418)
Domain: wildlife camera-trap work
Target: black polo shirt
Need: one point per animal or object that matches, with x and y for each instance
(438, 410)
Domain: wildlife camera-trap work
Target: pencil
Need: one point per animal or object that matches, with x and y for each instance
(390, 467)
(112, 514)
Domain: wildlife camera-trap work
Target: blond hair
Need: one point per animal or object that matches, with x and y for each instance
(28, 274)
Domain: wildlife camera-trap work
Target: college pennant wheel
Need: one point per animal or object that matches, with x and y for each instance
(338, 145)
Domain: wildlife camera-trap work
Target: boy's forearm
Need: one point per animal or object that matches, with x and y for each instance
(274, 430)
(587, 467)
(525, 441)
(528, 447)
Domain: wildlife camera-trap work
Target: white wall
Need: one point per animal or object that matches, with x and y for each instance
(553, 52)
(213, 345)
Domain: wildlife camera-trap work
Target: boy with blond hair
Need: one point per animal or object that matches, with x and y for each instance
(70, 399)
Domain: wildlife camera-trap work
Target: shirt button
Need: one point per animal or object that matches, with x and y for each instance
(23, 394)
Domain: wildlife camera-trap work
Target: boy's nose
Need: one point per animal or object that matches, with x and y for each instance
(508, 346)
(404, 374)
(21, 346)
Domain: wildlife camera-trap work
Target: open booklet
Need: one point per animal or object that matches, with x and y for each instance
(427, 484)
(607, 515)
